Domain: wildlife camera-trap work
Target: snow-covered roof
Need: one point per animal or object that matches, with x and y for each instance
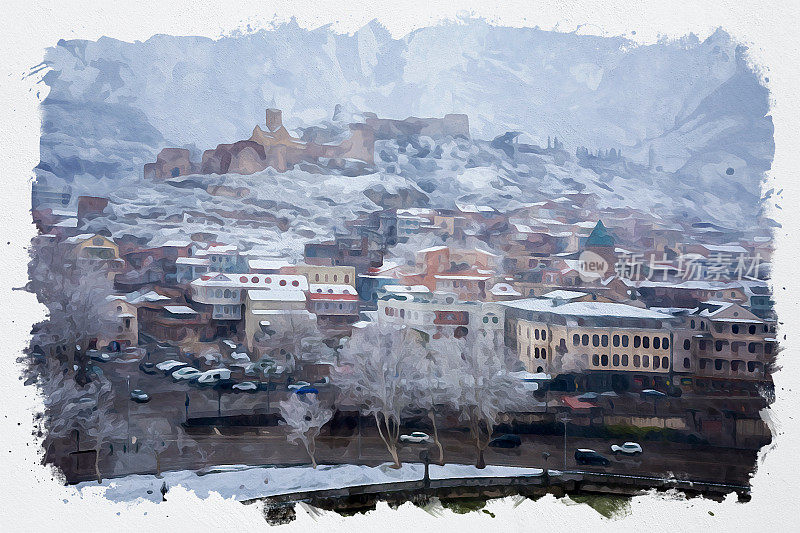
(725, 248)
(262, 295)
(431, 249)
(218, 249)
(404, 289)
(180, 310)
(194, 261)
(67, 223)
(268, 264)
(585, 309)
(500, 289)
(465, 275)
(176, 244)
(564, 295)
(77, 239)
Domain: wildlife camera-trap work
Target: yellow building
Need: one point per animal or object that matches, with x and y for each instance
(123, 325)
(337, 275)
(607, 345)
(94, 247)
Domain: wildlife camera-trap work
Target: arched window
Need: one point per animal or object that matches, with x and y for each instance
(656, 343)
(219, 293)
(636, 361)
(645, 342)
(656, 362)
(604, 341)
(282, 283)
(624, 341)
(687, 362)
(347, 278)
(227, 293)
(316, 277)
(615, 359)
(596, 360)
(752, 347)
(665, 343)
(693, 324)
(536, 334)
(254, 279)
(295, 283)
(624, 359)
(544, 334)
(615, 341)
(664, 362)
(604, 359)
(687, 344)
(585, 340)
(595, 340)
(637, 341)
(645, 361)
(752, 330)
(735, 328)
(576, 339)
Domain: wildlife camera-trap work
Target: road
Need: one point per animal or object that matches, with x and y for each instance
(268, 445)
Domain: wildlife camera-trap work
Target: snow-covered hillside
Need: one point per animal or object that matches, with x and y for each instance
(690, 110)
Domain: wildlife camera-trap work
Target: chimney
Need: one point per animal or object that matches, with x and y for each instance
(274, 120)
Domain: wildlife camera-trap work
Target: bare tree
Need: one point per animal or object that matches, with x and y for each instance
(74, 292)
(373, 375)
(158, 436)
(485, 389)
(305, 418)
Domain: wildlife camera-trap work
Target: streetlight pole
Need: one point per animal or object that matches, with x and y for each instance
(128, 414)
(564, 420)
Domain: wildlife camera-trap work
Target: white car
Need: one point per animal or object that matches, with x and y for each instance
(210, 377)
(416, 438)
(245, 386)
(186, 374)
(170, 365)
(298, 385)
(629, 448)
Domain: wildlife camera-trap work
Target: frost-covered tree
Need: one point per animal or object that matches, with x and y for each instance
(74, 292)
(373, 375)
(485, 388)
(305, 418)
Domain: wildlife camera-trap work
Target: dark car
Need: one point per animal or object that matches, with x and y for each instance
(148, 368)
(506, 441)
(590, 457)
(306, 390)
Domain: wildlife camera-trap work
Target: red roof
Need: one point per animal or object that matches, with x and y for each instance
(328, 296)
(574, 403)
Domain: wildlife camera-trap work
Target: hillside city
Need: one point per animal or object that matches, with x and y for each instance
(496, 334)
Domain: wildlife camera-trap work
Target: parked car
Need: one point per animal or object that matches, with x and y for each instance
(102, 357)
(584, 456)
(418, 437)
(298, 385)
(148, 368)
(186, 373)
(211, 377)
(245, 386)
(628, 448)
(306, 390)
(139, 396)
(170, 365)
(506, 441)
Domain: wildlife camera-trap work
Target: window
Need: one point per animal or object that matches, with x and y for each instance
(595, 340)
(347, 278)
(645, 342)
(536, 334)
(296, 283)
(636, 361)
(528, 350)
(544, 332)
(702, 325)
(702, 345)
(486, 320)
(768, 348)
(751, 366)
(615, 359)
(703, 363)
(656, 343)
(735, 328)
(687, 344)
(718, 364)
(665, 342)
(585, 340)
(664, 362)
(752, 347)
(596, 360)
(496, 320)
(645, 361)
(637, 341)
(624, 341)
(227, 293)
(718, 346)
(656, 362)
(604, 341)
(604, 360)
(127, 323)
(752, 330)
(219, 293)
(734, 366)
(624, 359)
(576, 339)
(282, 283)
(615, 341)
(334, 277)
(402, 313)
(316, 277)
(693, 325)
(687, 362)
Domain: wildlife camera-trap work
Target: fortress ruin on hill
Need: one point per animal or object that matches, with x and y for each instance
(275, 147)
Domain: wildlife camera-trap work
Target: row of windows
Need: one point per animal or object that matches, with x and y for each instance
(495, 320)
(537, 333)
(719, 345)
(720, 364)
(638, 361)
(624, 340)
(350, 307)
(335, 278)
(538, 353)
(256, 279)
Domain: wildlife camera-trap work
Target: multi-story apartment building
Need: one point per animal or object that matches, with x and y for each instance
(604, 345)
